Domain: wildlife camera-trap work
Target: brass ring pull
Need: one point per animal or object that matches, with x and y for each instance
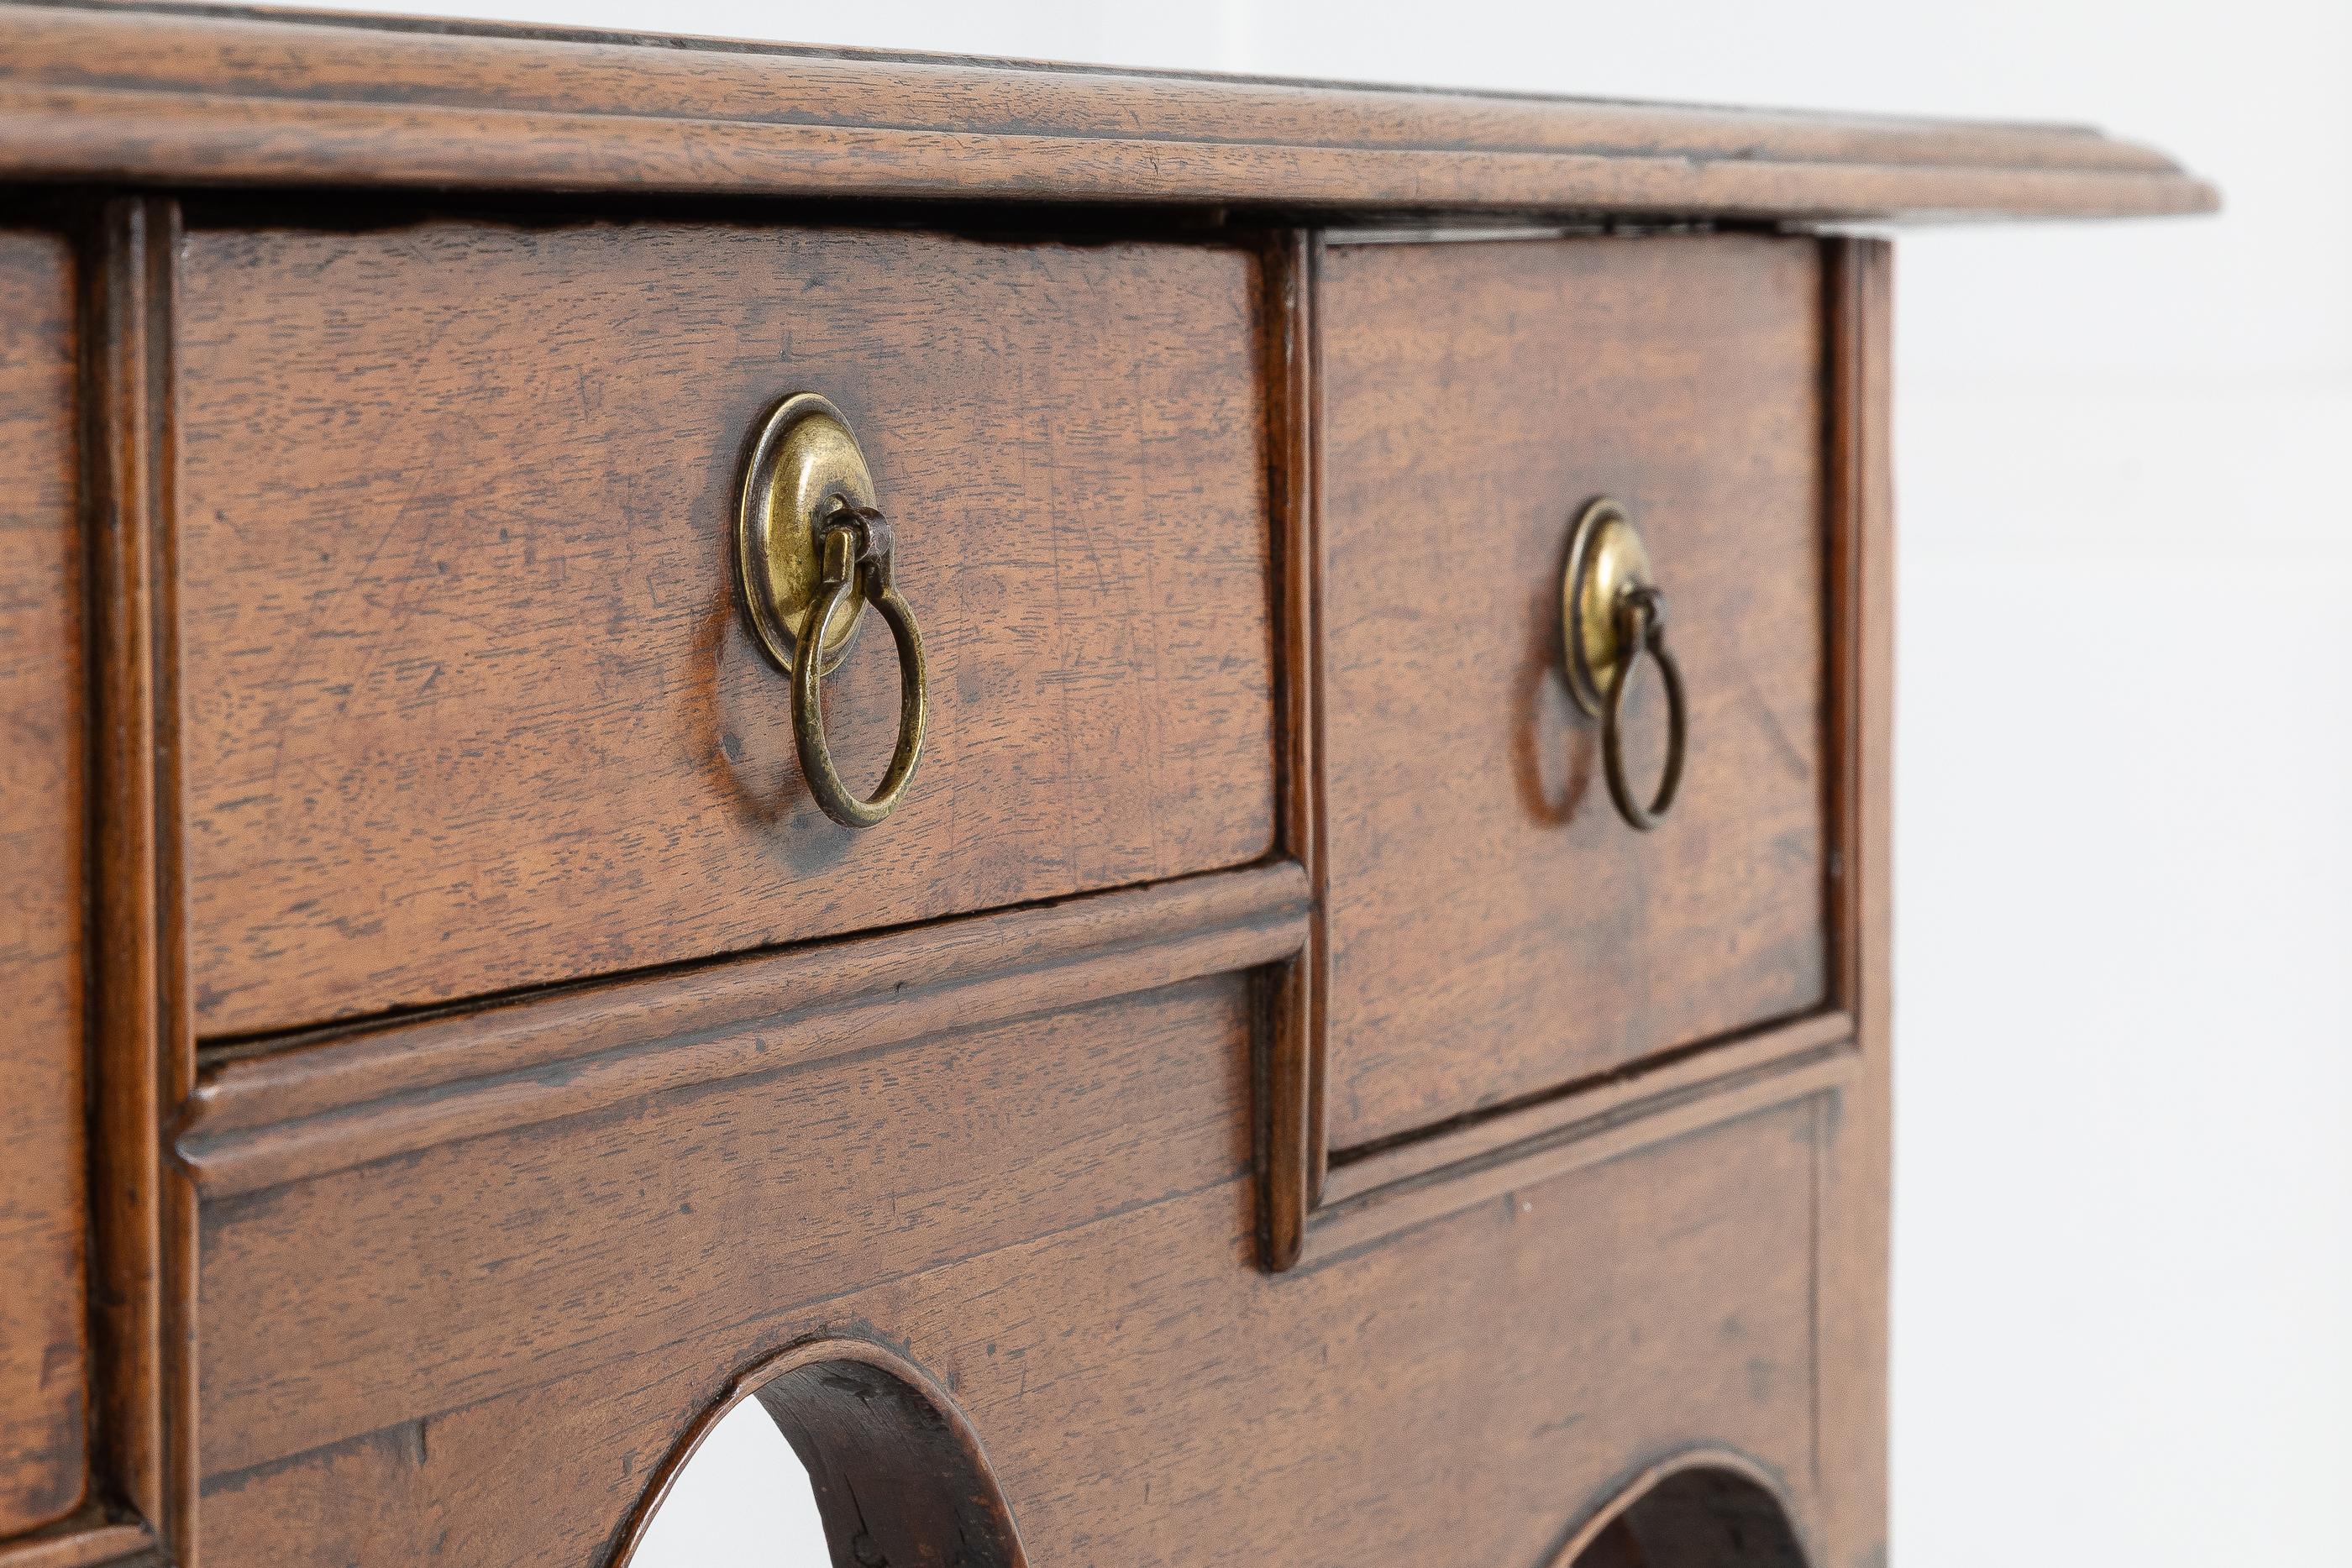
(857, 553)
(811, 552)
(1642, 629)
(1610, 615)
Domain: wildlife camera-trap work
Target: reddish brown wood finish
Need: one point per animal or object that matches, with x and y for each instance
(1255, 1083)
(318, 101)
(700, 1209)
(1701, 1508)
(267, 1118)
(142, 1044)
(1855, 1215)
(85, 1538)
(44, 1190)
(1290, 1130)
(470, 701)
(867, 1424)
(1495, 929)
(1147, 1394)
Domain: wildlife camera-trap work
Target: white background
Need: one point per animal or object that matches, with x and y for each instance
(2122, 1265)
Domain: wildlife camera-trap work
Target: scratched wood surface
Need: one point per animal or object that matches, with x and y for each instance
(470, 706)
(44, 1337)
(1495, 928)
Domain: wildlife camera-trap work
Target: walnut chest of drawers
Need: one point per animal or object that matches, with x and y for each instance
(1353, 1028)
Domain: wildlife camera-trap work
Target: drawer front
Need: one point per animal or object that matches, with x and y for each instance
(1495, 928)
(469, 702)
(43, 1342)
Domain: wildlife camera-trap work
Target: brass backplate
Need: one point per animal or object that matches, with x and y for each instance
(1605, 557)
(802, 458)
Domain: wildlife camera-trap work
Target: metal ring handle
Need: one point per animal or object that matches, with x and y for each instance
(1642, 629)
(857, 546)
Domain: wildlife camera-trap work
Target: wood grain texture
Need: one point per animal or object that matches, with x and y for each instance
(88, 1539)
(288, 1113)
(470, 706)
(142, 1048)
(1254, 905)
(1507, 1137)
(1291, 1117)
(1396, 1409)
(1495, 929)
(468, 1271)
(1855, 1220)
(260, 99)
(1612, 1126)
(44, 1172)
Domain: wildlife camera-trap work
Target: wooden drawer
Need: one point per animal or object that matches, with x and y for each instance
(44, 1331)
(468, 704)
(1495, 930)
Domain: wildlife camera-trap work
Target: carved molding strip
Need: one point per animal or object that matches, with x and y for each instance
(350, 1098)
(1383, 1194)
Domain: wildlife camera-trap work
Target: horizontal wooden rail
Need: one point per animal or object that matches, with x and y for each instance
(348, 1098)
(1377, 1194)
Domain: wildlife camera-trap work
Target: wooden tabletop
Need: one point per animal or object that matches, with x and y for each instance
(181, 95)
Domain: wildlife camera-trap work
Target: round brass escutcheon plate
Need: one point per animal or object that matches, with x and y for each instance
(802, 460)
(1605, 559)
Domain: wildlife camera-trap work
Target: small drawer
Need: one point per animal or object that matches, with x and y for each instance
(470, 702)
(1496, 927)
